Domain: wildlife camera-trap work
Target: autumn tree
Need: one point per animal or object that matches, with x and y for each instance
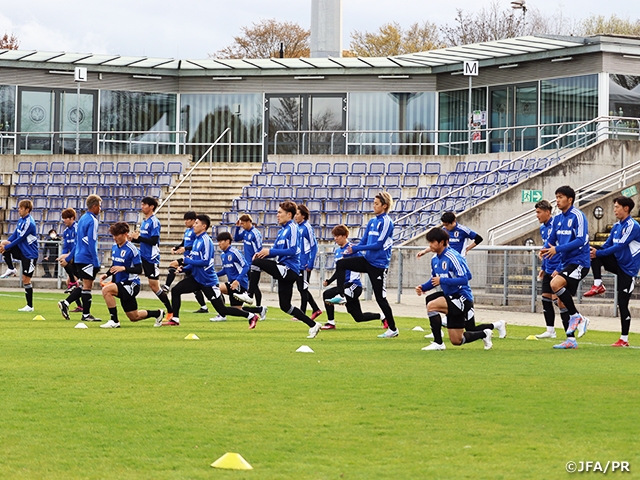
(9, 42)
(391, 39)
(598, 24)
(263, 39)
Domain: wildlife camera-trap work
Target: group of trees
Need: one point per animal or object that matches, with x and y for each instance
(9, 42)
(264, 38)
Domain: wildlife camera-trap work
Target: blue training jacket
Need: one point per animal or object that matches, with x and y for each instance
(200, 261)
(252, 240)
(125, 256)
(624, 244)
(570, 235)
(286, 247)
(454, 274)
(549, 265)
(69, 239)
(377, 241)
(86, 250)
(25, 237)
(234, 266)
(308, 247)
(458, 237)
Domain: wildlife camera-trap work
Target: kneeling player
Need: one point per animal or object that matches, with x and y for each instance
(125, 268)
(449, 271)
(352, 285)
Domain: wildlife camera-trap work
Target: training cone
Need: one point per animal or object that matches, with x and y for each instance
(531, 337)
(417, 328)
(304, 349)
(192, 336)
(232, 461)
(38, 317)
(81, 325)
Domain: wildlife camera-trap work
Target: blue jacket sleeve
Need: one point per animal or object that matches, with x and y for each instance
(611, 248)
(238, 236)
(456, 281)
(379, 244)
(427, 286)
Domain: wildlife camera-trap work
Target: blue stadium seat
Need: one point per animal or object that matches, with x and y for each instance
(14, 216)
(40, 203)
(270, 219)
(315, 181)
(391, 181)
(411, 181)
(164, 179)
(120, 191)
(354, 219)
(372, 192)
(314, 205)
(304, 168)
(240, 204)
(395, 168)
(259, 180)
(303, 193)
(376, 169)
(249, 192)
(89, 167)
(413, 169)
(107, 167)
(156, 167)
(123, 167)
(352, 181)
(111, 216)
(461, 179)
(356, 193)
(92, 179)
(297, 180)
(334, 181)
(103, 191)
(40, 178)
(145, 178)
(494, 165)
(351, 206)
(337, 193)
(266, 192)
(442, 179)
(472, 167)
(136, 191)
(56, 167)
(432, 169)
(278, 180)
(258, 205)
(41, 167)
(54, 191)
(23, 179)
(322, 169)
(58, 178)
(461, 167)
(271, 233)
(56, 202)
(396, 193)
(85, 190)
(24, 167)
(286, 168)
(340, 168)
(154, 191)
(130, 179)
(140, 167)
(332, 206)
(321, 193)
(285, 193)
(22, 190)
(371, 181)
(358, 168)
(109, 178)
(483, 166)
(174, 168)
(269, 167)
(126, 203)
(333, 219)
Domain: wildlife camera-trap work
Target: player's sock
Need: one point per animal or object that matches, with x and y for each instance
(165, 300)
(564, 315)
(86, 302)
(566, 298)
(28, 293)
(74, 296)
(171, 276)
(153, 314)
(257, 310)
(626, 325)
(548, 311)
(436, 326)
(624, 337)
(468, 337)
(113, 312)
(200, 299)
(258, 297)
(597, 282)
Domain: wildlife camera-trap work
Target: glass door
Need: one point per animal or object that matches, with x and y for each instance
(36, 122)
(526, 133)
(76, 115)
(514, 114)
(501, 116)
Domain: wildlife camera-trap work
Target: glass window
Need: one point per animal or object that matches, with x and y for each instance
(377, 121)
(206, 116)
(453, 124)
(143, 113)
(624, 95)
(7, 117)
(36, 121)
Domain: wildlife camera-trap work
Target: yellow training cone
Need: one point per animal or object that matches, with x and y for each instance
(192, 336)
(232, 461)
(38, 317)
(531, 337)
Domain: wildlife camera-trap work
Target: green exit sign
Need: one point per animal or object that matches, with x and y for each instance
(629, 192)
(531, 196)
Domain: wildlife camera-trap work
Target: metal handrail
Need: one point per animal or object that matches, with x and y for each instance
(403, 234)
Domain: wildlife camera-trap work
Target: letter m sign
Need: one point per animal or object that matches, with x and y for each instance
(470, 68)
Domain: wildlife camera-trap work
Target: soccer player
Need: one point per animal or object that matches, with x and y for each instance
(251, 237)
(450, 272)
(548, 268)
(68, 246)
(125, 268)
(286, 267)
(149, 239)
(22, 245)
(376, 246)
(352, 285)
(236, 269)
(85, 260)
(200, 262)
(183, 249)
(308, 252)
(569, 238)
(458, 235)
(620, 255)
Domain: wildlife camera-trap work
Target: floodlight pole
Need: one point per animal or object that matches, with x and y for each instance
(470, 117)
(79, 75)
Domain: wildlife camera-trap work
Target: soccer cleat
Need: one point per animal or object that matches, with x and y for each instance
(568, 344)
(64, 310)
(243, 297)
(434, 346)
(158, 322)
(328, 326)
(574, 321)
(174, 322)
(168, 317)
(263, 313)
(389, 334)
(313, 331)
(165, 288)
(26, 308)
(547, 334)
(385, 324)
(90, 318)
(488, 344)
(582, 326)
(78, 309)
(10, 272)
(620, 343)
(110, 324)
(253, 321)
(501, 326)
(218, 318)
(337, 300)
(70, 287)
(599, 290)
(202, 310)
(316, 314)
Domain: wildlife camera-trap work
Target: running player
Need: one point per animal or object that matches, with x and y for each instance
(22, 245)
(183, 249)
(236, 269)
(458, 234)
(450, 272)
(376, 246)
(125, 268)
(352, 285)
(68, 246)
(569, 238)
(286, 267)
(251, 237)
(149, 239)
(85, 260)
(200, 262)
(620, 255)
(308, 252)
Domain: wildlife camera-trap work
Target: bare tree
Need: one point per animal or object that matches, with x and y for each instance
(9, 42)
(391, 39)
(484, 26)
(262, 40)
(598, 24)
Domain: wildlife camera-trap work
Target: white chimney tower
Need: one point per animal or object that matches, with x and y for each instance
(326, 28)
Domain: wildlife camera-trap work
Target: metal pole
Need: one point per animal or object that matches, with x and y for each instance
(400, 269)
(534, 276)
(469, 152)
(615, 295)
(505, 290)
(78, 120)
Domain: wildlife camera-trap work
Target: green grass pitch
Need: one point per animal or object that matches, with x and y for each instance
(143, 402)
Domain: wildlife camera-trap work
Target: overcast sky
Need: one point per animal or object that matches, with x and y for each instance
(195, 28)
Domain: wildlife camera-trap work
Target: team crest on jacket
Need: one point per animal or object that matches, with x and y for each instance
(570, 222)
(456, 234)
(444, 265)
